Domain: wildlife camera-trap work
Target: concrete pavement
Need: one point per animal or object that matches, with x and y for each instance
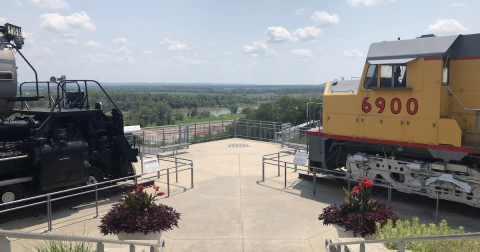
(230, 209)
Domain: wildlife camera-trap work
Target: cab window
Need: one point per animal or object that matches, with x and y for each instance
(371, 77)
(393, 76)
(6, 76)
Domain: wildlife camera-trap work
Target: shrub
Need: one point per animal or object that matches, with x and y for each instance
(139, 214)
(409, 229)
(359, 213)
(58, 246)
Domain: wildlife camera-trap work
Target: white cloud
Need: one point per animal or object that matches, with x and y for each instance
(51, 4)
(307, 34)
(178, 47)
(446, 26)
(368, 2)
(458, 5)
(278, 35)
(210, 43)
(322, 18)
(354, 53)
(122, 41)
(2, 21)
(319, 48)
(147, 52)
(69, 26)
(226, 53)
(18, 3)
(301, 53)
(258, 49)
(127, 59)
(94, 59)
(300, 11)
(91, 43)
(168, 41)
(123, 50)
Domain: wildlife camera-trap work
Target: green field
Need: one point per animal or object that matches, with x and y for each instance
(193, 94)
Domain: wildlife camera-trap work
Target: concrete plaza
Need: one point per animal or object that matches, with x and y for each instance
(229, 209)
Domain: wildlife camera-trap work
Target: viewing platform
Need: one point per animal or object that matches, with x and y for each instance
(230, 209)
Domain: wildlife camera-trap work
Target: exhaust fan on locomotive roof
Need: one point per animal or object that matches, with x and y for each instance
(427, 36)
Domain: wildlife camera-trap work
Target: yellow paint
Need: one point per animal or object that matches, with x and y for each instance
(439, 120)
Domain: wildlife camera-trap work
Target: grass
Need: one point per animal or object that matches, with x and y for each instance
(59, 246)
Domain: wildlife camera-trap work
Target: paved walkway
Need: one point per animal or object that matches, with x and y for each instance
(229, 209)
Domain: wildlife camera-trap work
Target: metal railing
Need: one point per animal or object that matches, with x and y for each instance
(6, 246)
(336, 246)
(178, 163)
(173, 138)
(95, 188)
(274, 159)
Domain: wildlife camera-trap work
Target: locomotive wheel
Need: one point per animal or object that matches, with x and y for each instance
(11, 193)
(95, 176)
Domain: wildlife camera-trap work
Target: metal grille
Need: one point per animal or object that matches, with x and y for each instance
(238, 145)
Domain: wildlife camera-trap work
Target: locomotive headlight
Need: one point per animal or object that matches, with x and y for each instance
(19, 42)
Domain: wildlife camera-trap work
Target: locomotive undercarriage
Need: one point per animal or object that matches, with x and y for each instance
(454, 182)
(406, 169)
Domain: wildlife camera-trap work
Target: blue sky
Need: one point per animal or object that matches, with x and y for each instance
(257, 42)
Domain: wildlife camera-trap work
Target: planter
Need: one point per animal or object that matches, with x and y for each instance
(140, 236)
(342, 233)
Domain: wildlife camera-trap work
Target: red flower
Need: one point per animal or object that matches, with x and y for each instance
(368, 184)
(354, 189)
(162, 193)
(364, 180)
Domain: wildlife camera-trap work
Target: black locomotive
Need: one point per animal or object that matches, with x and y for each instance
(66, 144)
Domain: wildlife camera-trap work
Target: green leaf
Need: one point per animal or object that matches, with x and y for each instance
(347, 192)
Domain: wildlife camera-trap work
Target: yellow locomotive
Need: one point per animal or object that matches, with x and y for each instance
(411, 119)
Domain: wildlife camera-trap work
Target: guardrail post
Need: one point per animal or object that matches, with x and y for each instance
(285, 165)
(389, 193)
(195, 134)
(49, 212)
(141, 162)
(132, 248)
(260, 131)
(436, 210)
(191, 173)
(143, 141)
(234, 128)
(5, 244)
(401, 246)
(278, 163)
(176, 171)
(314, 181)
(96, 200)
(168, 182)
(100, 247)
(158, 172)
(362, 247)
(223, 131)
(263, 168)
(163, 137)
(187, 140)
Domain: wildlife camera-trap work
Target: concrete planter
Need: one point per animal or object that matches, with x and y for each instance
(139, 236)
(342, 233)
